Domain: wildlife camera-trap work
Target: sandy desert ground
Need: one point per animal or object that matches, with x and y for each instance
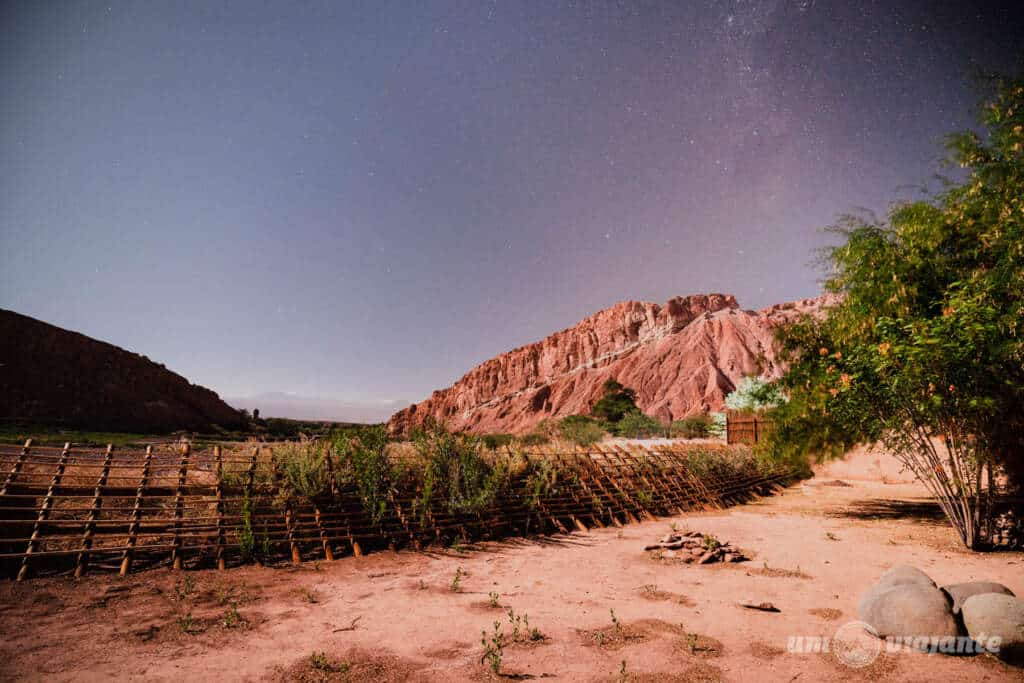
(394, 616)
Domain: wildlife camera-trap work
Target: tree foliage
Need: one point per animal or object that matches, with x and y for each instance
(754, 394)
(615, 402)
(925, 351)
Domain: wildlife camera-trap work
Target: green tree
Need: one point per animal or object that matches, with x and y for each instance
(754, 394)
(925, 351)
(616, 400)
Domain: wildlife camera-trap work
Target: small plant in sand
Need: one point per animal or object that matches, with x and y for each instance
(493, 600)
(456, 585)
(521, 629)
(493, 649)
(622, 671)
(231, 618)
(615, 622)
(831, 536)
(321, 662)
(711, 543)
(184, 588)
(186, 623)
(691, 641)
(309, 595)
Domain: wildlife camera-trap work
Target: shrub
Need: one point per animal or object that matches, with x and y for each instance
(694, 427)
(365, 464)
(636, 425)
(581, 430)
(303, 468)
(496, 441)
(534, 439)
(454, 468)
(753, 394)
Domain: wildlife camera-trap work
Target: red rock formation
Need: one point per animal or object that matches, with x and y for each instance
(681, 358)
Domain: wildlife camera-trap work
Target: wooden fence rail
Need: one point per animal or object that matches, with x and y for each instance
(76, 510)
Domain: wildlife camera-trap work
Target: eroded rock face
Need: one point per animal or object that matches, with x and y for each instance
(681, 358)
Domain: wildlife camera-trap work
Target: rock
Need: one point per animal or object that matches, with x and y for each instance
(656, 546)
(697, 551)
(903, 574)
(706, 558)
(959, 592)
(673, 355)
(669, 554)
(908, 609)
(994, 614)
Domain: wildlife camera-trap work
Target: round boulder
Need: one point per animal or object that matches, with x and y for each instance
(995, 615)
(904, 574)
(908, 610)
(959, 592)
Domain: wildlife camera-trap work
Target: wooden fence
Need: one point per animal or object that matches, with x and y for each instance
(73, 510)
(746, 428)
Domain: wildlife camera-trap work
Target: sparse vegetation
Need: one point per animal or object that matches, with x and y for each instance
(456, 584)
(493, 649)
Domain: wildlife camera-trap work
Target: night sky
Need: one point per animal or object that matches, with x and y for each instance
(364, 200)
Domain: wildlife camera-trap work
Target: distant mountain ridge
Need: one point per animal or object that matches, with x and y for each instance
(682, 357)
(52, 375)
(296, 407)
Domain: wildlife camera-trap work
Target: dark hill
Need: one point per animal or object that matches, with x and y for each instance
(55, 376)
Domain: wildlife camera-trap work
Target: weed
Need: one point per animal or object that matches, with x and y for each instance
(231, 618)
(711, 543)
(309, 595)
(246, 536)
(186, 624)
(493, 599)
(456, 584)
(493, 649)
(320, 662)
(423, 585)
(615, 622)
(184, 588)
(622, 671)
(223, 593)
(691, 641)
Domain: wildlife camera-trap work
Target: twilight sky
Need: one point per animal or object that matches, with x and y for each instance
(362, 201)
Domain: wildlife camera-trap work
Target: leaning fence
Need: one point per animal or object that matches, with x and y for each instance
(79, 509)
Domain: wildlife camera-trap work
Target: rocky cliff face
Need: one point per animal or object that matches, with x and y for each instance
(681, 358)
(55, 376)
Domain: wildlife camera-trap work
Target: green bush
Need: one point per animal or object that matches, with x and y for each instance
(581, 430)
(454, 468)
(533, 439)
(365, 464)
(303, 468)
(496, 441)
(694, 427)
(636, 425)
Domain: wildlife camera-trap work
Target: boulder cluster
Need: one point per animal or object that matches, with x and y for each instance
(693, 547)
(907, 604)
